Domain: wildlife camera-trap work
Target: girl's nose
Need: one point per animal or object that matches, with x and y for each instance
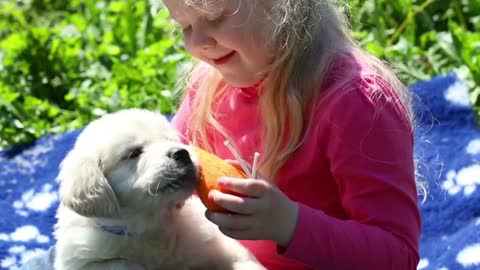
(201, 40)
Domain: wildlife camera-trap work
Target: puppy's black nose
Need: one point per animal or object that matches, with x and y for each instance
(178, 154)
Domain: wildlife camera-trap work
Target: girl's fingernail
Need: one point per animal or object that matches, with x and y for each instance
(211, 195)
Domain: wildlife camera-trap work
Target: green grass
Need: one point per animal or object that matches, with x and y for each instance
(64, 63)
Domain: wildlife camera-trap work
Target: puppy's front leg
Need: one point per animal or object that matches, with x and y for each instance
(114, 264)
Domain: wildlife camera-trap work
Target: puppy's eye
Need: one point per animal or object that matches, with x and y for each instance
(134, 153)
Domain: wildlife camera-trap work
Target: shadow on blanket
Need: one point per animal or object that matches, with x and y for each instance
(447, 148)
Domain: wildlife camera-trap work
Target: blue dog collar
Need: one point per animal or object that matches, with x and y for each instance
(117, 230)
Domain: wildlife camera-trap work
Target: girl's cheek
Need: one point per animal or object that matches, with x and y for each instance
(188, 46)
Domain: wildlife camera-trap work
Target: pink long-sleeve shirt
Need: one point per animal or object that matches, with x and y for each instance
(352, 178)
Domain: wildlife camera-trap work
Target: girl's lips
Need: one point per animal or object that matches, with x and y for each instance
(223, 59)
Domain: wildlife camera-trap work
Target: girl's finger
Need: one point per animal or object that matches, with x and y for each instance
(236, 204)
(250, 187)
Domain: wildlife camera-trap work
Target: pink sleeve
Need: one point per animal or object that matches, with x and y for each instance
(371, 156)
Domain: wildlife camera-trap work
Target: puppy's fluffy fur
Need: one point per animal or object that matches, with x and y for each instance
(125, 191)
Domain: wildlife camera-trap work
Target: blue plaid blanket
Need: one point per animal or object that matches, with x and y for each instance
(447, 150)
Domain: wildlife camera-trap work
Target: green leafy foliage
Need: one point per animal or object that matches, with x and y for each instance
(423, 38)
(64, 63)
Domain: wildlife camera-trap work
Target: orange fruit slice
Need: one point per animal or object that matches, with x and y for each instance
(212, 168)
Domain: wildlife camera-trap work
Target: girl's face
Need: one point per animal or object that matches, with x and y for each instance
(229, 35)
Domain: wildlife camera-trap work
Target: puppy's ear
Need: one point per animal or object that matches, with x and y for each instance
(84, 188)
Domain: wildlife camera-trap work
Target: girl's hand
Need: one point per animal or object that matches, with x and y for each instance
(262, 211)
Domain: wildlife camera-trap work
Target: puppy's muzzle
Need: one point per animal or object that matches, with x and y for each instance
(180, 173)
(180, 155)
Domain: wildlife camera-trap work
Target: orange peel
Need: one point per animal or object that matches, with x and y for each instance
(212, 168)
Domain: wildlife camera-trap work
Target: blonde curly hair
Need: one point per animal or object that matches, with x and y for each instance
(307, 35)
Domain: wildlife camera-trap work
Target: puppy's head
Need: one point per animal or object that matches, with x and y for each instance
(127, 162)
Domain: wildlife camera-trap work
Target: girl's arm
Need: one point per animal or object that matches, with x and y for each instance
(371, 155)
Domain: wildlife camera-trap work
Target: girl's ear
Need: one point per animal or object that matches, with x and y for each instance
(84, 188)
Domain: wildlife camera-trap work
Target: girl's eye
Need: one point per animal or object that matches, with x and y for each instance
(187, 28)
(134, 153)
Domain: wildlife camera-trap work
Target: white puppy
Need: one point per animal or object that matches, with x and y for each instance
(126, 203)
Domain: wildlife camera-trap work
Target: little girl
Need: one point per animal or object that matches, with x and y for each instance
(333, 126)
